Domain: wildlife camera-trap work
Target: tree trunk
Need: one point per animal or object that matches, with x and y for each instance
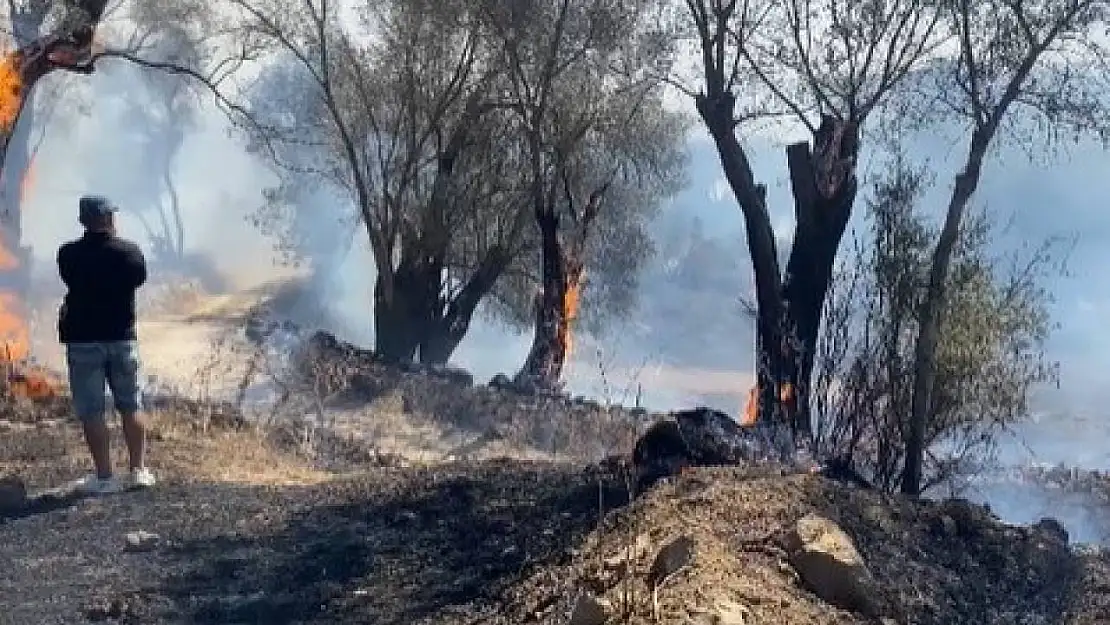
(397, 317)
(451, 322)
(16, 162)
(717, 113)
(543, 367)
(788, 316)
(929, 325)
(824, 186)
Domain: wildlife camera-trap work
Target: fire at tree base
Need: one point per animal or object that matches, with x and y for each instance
(22, 377)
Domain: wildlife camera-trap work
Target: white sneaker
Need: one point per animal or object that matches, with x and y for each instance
(93, 485)
(142, 478)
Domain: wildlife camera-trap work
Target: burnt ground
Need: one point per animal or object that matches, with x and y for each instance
(250, 532)
(383, 545)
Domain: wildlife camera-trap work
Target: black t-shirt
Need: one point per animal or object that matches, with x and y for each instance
(102, 273)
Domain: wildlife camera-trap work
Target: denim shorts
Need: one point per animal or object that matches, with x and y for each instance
(92, 365)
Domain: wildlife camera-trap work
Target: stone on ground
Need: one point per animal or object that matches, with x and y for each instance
(673, 556)
(588, 610)
(13, 495)
(829, 564)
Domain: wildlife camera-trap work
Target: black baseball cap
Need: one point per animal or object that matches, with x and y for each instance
(92, 207)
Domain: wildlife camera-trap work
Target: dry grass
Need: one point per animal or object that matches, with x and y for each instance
(242, 457)
(48, 454)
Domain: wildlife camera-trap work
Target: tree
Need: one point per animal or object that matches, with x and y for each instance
(990, 355)
(420, 132)
(829, 64)
(1042, 57)
(582, 154)
(397, 129)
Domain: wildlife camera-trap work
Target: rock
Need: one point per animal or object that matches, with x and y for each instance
(620, 560)
(673, 556)
(588, 610)
(725, 612)
(141, 541)
(659, 453)
(700, 437)
(944, 526)
(455, 375)
(968, 519)
(1051, 528)
(829, 564)
(1047, 552)
(13, 495)
(103, 609)
(842, 469)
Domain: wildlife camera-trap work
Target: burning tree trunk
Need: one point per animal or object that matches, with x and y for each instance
(788, 307)
(824, 187)
(543, 367)
(561, 291)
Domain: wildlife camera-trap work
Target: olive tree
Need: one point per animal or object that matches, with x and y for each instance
(828, 65)
(1024, 64)
(990, 356)
(400, 125)
(598, 144)
(413, 117)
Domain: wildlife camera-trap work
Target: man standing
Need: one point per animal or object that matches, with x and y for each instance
(97, 325)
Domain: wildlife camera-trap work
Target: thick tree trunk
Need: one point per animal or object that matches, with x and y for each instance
(929, 325)
(398, 316)
(789, 307)
(824, 186)
(450, 324)
(543, 367)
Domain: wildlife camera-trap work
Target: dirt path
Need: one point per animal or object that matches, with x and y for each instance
(397, 547)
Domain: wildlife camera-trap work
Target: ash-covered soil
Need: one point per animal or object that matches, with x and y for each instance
(378, 545)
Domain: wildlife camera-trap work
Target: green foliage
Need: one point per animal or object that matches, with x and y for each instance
(991, 354)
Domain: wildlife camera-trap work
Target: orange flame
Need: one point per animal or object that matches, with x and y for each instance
(11, 91)
(751, 409)
(24, 380)
(571, 301)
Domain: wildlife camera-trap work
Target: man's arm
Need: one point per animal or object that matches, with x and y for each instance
(136, 265)
(65, 267)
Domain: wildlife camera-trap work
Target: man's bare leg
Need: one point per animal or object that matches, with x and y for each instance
(97, 438)
(134, 432)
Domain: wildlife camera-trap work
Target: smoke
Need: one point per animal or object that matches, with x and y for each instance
(91, 144)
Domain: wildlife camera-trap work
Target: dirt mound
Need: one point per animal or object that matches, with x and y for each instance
(930, 563)
(436, 412)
